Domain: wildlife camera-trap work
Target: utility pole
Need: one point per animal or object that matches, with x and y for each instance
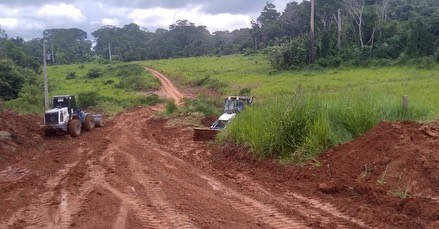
(339, 29)
(311, 36)
(109, 50)
(53, 55)
(46, 86)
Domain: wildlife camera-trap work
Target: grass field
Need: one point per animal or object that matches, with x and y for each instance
(299, 114)
(418, 83)
(114, 87)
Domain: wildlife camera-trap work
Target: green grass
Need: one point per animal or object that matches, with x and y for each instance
(58, 84)
(107, 88)
(300, 127)
(299, 114)
(254, 72)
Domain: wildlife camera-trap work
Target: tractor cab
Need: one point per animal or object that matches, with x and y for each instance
(65, 101)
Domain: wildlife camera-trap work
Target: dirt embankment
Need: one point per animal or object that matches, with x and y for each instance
(137, 172)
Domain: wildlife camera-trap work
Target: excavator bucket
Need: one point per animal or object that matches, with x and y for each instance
(205, 134)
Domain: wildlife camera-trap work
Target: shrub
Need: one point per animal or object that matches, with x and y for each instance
(94, 73)
(202, 105)
(171, 107)
(70, 75)
(108, 82)
(289, 55)
(210, 83)
(135, 83)
(245, 91)
(88, 99)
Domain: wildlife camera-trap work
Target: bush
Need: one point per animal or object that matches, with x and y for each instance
(202, 104)
(129, 70)
(70, 75)
(88, 99)
(210, 83)
(245, 91)
(171, 107)
(94, 73)
(135, 83)
(108, 82)
(289, 55)
(329, 62)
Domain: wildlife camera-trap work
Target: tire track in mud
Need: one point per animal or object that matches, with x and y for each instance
(316, 209)
(312, 208)
(167, 216)
(13, 173)
(39, 212)
(250, 206)
(323, 212)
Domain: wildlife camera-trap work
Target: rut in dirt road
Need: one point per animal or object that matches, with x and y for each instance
(135, 173)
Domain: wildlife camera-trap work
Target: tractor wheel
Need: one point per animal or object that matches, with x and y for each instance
(75, 127)
(89, 123)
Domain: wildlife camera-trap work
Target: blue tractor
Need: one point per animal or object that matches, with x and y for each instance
(65, 117)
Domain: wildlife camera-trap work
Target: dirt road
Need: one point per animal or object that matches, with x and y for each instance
(140, 172)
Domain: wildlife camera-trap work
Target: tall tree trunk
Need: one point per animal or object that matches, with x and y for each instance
(339, 29)
(311, 36)
(355, 9)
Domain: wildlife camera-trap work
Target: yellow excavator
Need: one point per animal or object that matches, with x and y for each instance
(232, 106)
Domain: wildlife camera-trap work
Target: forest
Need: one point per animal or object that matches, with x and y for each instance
(341, 32)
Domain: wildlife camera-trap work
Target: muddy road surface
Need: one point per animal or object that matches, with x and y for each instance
(140, 171)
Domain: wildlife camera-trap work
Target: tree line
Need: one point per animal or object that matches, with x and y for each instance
(345, 32)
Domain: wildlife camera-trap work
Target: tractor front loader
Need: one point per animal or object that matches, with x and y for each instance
(65, 117)
(232, 106)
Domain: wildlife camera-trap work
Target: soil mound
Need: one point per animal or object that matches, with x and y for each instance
(388, 175)
(17, 134)
(401, 156)
(394, 165)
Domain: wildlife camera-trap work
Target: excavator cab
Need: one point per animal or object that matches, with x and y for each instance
(232, 106)
(235, 104)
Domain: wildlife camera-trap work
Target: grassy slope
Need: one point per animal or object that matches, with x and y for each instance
(254, 72)
(111, 97)
(59, 85)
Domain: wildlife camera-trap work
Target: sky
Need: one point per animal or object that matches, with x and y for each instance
(29, 18)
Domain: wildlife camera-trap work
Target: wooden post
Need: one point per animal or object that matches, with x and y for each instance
(405, 103)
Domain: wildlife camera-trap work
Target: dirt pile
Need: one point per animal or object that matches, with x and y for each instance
(17, 134)
(400, 157)
(394, 166)
(388, 176)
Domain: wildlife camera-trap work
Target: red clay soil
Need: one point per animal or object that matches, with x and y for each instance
(137, 172)
(388, 178)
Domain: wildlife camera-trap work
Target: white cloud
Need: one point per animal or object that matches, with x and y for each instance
(107, 21)
(8, 22)
(61, 11)
(162, 18)
(26, 17)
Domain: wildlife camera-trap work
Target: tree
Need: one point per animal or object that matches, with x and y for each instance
(69, 45)
(267, 27)
(356, 8)
(268, 15)
(10, 80)
(311, 35)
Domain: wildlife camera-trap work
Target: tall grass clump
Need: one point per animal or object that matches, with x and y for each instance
(203, 105)
(301, 126)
